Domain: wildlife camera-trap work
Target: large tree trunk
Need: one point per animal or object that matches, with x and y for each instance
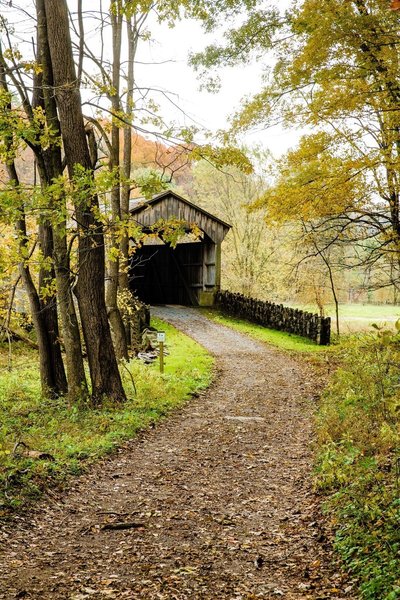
(52, 167)
(105, 377)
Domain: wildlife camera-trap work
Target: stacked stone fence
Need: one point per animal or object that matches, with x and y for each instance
(276, 316)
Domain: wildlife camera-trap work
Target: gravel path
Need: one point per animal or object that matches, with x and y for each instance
(218, 497)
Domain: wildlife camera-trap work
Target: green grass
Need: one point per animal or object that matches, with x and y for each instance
(280, 339)
(357, 317)
(76, 436)
(185, 355)
(366, 311)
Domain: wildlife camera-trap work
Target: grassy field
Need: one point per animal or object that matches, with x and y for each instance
(358, 317)
(72, 437)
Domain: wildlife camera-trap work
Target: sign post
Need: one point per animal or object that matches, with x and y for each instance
(161, 340)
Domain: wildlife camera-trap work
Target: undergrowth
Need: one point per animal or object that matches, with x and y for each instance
(72, 437)
(358, 463)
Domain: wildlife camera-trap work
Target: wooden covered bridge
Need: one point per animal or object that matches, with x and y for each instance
(190, 273)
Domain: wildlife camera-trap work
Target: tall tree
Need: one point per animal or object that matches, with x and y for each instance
(105, 377)
(38, 127)
(114, 315)
(50, 158)
(337, 73)
(42, 303)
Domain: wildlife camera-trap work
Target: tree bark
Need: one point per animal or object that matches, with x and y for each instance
(114, 315)
(50, 380)
(52, 159)
(48, 306)
(127, 151)
(132, 31)
(52, 374)
(105, 377)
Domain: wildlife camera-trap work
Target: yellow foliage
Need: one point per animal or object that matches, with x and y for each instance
(315, 180)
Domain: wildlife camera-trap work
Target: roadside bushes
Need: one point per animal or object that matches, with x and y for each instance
(358, 464)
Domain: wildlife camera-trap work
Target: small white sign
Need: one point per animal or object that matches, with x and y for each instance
(160, 336)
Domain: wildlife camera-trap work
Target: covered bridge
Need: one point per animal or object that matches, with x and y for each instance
(188, 274)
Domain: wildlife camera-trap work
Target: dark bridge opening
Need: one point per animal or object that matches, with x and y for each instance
(164, 275)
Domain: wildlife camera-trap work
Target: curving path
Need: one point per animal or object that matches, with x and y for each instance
(219, 494)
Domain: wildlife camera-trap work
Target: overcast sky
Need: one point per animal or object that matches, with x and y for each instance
(210, 111)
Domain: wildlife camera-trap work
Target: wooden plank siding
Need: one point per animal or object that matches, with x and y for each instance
(188, 274)
(169, 205)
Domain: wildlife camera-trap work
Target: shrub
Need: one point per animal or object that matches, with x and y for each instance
(358, 427)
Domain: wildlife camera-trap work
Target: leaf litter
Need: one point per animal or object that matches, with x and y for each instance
(216, 502)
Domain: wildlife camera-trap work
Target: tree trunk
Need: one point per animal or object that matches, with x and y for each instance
(127, 151)
(123, 278)
(52, 375)
(77, 385)
(52, 168)
(114, 315)
(105, 377)
(50, 381)
(333, 288)
(48, 306)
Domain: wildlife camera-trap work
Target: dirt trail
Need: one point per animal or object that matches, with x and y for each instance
(220, 494)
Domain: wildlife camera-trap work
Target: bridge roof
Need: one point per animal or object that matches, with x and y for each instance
(168, 205)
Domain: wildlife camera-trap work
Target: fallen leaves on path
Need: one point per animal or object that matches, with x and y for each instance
(214, 503)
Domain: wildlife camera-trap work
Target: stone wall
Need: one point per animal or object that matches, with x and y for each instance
(276, 316)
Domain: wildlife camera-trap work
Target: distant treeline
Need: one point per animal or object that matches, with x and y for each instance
(276, 316)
